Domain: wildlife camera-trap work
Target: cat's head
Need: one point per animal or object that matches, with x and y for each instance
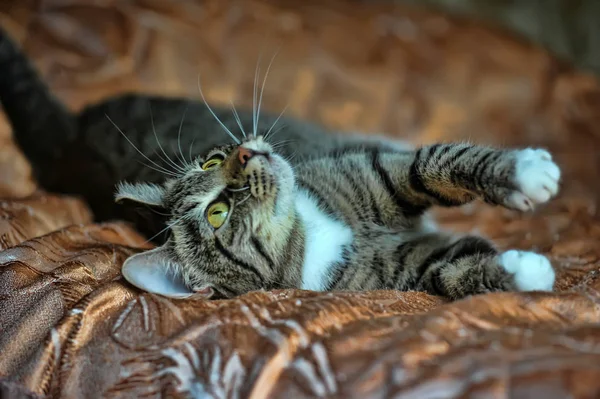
(231, 215)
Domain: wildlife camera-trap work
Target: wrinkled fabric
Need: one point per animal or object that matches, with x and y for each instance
(70, 326)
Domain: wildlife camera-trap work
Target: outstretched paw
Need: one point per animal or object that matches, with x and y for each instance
(532, 272)
(536, 178)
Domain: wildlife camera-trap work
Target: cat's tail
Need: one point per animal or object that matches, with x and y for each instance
(42, 126)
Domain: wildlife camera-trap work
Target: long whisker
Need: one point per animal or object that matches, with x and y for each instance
(180, 156)
(255, 93)
(215, 115)
(191, 148)
(262, 89)
(244, 200)
(177, 157)
(158, 170)
(165, 229)
(168, 160)
(237, 118)
(157, 212)
(282, 143)
(291, 157)
(274, 123)
(163, 169)
(275, 131)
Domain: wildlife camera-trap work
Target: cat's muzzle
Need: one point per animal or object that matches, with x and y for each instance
(261, 178)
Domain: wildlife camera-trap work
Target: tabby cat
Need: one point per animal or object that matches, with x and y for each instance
(345, 213)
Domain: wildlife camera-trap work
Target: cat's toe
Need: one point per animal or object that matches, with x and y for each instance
(536, 177)
(532, 272)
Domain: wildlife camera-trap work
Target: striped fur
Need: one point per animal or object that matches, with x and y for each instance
(355, 220)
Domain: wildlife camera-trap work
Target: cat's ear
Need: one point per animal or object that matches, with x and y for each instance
(145, 193)
(155, 271)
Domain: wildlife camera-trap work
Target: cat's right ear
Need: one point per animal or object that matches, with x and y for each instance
(144, 193)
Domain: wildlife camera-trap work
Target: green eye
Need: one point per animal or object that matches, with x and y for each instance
(217, 214)
(213, 162)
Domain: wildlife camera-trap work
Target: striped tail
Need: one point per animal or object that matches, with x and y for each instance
(42, 126)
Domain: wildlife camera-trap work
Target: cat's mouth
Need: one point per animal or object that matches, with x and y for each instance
(267, 179)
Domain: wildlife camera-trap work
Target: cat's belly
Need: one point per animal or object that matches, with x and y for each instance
(326, 238)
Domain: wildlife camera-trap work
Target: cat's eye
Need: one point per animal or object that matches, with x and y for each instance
(215, 161)
(217, 214)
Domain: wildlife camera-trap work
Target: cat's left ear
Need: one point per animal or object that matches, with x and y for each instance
(155, 271)
(144, 193)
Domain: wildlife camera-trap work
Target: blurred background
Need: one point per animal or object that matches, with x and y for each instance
(509, 72)
(569, 28)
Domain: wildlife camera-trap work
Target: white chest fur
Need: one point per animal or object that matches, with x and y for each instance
(325, 240)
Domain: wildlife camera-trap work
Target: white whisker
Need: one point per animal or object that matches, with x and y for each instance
(191, 149)
(244, 200)
(165, 229)
(255, 93)
(158, 170)
(282, 143)
(237, 118)
(180, 155)
(162, 169)
(291, 157)
(168, 160)
(274, 132)
(266, 136)
(262, 89)
(157, 212)
(215, 115)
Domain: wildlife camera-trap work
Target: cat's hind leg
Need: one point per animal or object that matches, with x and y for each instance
(456, 268)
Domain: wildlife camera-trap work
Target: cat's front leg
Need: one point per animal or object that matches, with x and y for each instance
(451, 174)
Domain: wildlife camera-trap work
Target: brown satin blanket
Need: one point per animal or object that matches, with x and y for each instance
(71, 327)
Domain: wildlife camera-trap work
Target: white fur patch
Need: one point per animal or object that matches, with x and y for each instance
(536, 176)
(533, 272)
(325, 239)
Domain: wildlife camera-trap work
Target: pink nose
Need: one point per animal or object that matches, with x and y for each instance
(244, 155)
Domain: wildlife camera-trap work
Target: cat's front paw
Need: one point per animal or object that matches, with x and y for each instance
(531, 271)
(536, 178)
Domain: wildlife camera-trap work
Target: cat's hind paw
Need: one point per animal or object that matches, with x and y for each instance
(536, 178)
(532, 272)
